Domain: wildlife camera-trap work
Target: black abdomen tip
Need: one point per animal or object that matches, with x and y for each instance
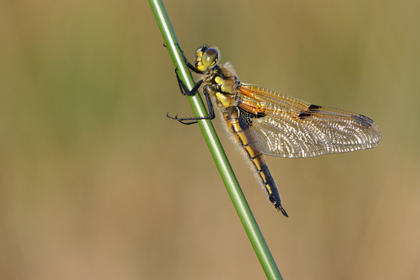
(280, 208)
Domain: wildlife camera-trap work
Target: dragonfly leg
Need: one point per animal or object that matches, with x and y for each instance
(184, 91)
(192, 67)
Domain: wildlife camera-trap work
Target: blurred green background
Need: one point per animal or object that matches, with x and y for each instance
(96, 182)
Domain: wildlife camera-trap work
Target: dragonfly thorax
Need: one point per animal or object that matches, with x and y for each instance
(221, 83)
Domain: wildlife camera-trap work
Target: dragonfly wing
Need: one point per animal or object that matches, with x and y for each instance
(292, 128)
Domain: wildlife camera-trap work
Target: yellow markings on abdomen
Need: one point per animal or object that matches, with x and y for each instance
(231, 116)
(253, 154)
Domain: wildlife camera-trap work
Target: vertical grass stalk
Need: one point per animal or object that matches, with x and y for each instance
(242, 208)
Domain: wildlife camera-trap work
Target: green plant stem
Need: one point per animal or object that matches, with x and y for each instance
(242, 208)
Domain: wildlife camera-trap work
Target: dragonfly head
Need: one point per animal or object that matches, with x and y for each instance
(206, 57)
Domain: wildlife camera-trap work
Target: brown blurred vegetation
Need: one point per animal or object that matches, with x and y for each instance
(96, 182)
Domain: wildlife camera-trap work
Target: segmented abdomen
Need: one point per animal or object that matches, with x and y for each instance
(238, 126)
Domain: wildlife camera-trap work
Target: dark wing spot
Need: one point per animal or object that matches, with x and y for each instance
(260, 114)
(313, 107)
(303, 115)
(363, 120)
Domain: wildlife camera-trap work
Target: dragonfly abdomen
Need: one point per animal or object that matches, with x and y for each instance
(238, 127)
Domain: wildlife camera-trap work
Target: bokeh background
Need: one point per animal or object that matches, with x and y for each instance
(96, 182)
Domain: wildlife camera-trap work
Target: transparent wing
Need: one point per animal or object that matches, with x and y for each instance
(291, 128)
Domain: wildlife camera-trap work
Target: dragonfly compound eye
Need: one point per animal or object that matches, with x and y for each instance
(210, 57)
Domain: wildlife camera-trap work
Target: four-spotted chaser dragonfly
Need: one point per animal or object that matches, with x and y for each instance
(263, 121)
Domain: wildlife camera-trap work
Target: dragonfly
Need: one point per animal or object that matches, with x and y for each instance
(265, 122)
